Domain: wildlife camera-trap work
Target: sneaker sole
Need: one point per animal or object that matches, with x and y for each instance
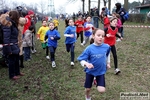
(117, 72)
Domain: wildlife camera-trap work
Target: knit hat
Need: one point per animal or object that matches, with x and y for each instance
(5, 11)
(30, 12)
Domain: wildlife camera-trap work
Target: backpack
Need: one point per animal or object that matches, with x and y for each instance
(125, 14)
(1, 34)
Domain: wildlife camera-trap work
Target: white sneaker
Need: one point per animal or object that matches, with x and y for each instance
(72, 63)
(87, 98)
(34, 51)
(82, 44)
(53, 64)
(118, 40)
(47, 57)
(117, 71)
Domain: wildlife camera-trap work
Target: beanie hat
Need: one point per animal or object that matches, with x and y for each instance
(5, 11)
(30, 12)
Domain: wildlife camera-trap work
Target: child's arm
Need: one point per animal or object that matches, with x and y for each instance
(38, 33)
(108, 61)
(66, 33)
(57, 37)
(86, 64)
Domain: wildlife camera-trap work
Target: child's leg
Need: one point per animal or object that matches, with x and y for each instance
(88, 84)
(68, 46)
(47, 50)
(122, 33)
(113, 50)
(25, 53)
(72, 52)
(52, 52)
(78, 35)
(85, 40)
(100, 83)
(81, 33)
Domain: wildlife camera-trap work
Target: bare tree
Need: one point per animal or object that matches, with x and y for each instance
(61, 10)
(89, 5)
(105, 2)
(126, 4)
(109, 4)
(98, 5)
(42, 6)
(83, 3)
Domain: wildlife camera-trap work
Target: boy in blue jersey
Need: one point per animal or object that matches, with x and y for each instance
(88, 27)
(96, 59)
(52, 35)
(70, 34)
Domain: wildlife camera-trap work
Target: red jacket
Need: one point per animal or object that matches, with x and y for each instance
(112, 39)
(79, 25)
(28, 23)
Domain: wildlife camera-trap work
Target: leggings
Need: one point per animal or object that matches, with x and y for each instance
(81, 34)
(113, 50)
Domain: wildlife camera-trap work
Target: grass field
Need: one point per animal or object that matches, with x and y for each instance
(42, 82)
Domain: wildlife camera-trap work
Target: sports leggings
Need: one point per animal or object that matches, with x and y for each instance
(113, 50)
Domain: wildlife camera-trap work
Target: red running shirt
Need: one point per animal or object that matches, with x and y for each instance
(112, 39)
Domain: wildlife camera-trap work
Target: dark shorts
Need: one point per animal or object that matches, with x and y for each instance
(89, 80)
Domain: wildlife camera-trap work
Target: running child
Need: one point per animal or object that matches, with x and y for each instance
(70, 34)
(41, 35)
(110, 39)
(79, 28)
(95, 59)
(56, 23)
(52, 35)
(88, 27)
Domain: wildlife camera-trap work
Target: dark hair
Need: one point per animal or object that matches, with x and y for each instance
(103, 8)
(31, 27)
(14, 15)
(22, 11)
(92, 40)
(118, 5)
(70, 19)
(87, 16)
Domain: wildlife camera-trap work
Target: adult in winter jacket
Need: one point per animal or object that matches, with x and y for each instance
(10, 45)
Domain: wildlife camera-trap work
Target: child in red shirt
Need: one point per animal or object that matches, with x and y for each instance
(79, 28)
(110, 39)
(106, 20)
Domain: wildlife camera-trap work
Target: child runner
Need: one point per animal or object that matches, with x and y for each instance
(95, 58)
(70, 34)
(56, 23)
(110, 39)
(88, 27)
(52, 35)
(27, 43)
(79, 26)
(41, 35)
(106, 20)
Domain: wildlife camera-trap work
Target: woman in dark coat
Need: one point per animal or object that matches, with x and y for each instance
(10, 47)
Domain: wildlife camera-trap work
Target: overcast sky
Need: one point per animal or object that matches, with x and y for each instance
(72, 7)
